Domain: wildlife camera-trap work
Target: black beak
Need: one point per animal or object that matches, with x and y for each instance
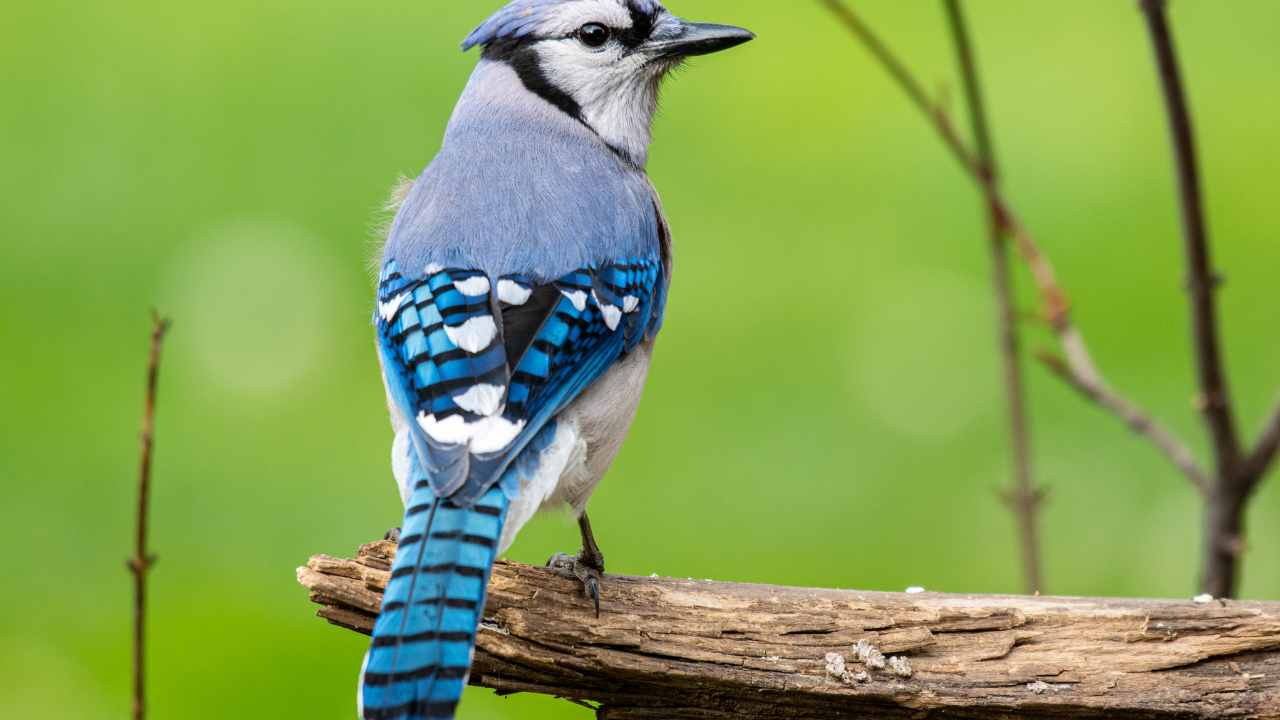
(700, 39)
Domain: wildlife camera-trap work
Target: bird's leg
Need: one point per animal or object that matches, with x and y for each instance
(393, 535)
(591, 554)
(587, 566)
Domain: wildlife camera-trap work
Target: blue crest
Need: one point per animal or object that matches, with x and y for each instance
(520, 18)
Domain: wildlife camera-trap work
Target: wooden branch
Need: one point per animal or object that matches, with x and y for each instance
(1055, 305)
(675, 649)
(1025, 498)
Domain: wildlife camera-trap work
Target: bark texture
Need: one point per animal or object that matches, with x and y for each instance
(665, 648)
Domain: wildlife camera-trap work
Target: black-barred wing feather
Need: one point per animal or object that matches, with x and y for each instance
(480, 365)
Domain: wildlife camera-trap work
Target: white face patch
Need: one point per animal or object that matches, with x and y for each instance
(616, 90)
(566, 17)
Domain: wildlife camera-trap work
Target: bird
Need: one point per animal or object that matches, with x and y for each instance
(522, 285)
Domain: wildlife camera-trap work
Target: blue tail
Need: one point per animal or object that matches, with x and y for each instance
(423, 641)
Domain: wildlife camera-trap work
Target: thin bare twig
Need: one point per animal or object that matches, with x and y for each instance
(963, 43)
(1215, 400)
(1228, 496)
(910, 85)
(1134, 417)
(1024, 498)
(141, 562)
(1055, 305)
(1266, 451)
(1056, 308)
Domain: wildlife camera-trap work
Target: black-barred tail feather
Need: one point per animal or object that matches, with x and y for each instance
(423, 641)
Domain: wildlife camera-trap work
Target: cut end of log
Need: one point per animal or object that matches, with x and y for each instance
(666, 648)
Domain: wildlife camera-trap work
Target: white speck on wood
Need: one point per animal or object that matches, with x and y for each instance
(835, 665)
(900, 666)
(869, 655)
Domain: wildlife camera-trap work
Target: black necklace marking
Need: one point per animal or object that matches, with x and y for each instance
(521, 56)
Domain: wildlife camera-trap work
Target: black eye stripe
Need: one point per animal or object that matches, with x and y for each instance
(640, 30)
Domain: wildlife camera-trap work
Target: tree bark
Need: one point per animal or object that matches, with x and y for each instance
(673, 649)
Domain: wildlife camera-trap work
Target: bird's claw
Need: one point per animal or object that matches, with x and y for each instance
(393, 535)
(589, 573)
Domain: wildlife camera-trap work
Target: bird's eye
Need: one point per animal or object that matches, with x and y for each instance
(593, 35)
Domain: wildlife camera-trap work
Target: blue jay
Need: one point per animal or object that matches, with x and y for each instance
(522, 285)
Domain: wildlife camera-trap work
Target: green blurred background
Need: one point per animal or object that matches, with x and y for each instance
(825, 407)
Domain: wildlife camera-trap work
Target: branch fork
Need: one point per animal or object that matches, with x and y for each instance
(1237, 472)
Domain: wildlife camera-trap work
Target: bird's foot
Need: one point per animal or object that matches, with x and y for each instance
(587, 567)
(393, 535)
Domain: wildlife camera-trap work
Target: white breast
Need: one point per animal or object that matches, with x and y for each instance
(589, 434)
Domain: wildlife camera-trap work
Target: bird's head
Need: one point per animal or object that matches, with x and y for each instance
(599, 61)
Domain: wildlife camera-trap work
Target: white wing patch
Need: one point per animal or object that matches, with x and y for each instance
(475, 334)
(612, 314)
(487, 435)
(473, 287)
(493, 434)
(577, 297)
(482, 399)
(630, 304)
(513, 293)
(389, 310)
(452, 430)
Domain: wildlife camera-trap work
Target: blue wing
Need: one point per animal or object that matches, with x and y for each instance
(480, 365)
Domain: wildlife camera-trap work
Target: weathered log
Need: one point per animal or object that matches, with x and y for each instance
(665, 648)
